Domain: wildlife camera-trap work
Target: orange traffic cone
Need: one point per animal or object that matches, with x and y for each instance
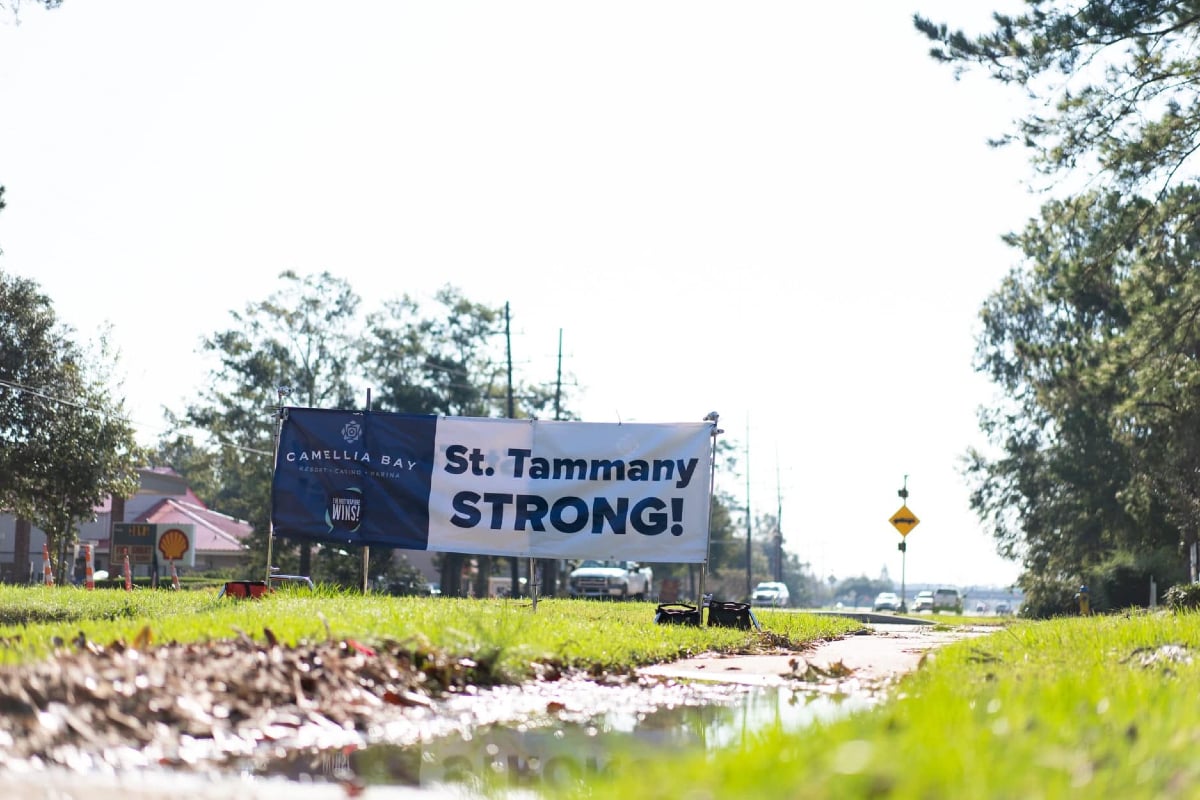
(47, 573)
(128, 575)
(90, 579)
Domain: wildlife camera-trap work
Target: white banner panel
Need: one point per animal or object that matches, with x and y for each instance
(544, 489)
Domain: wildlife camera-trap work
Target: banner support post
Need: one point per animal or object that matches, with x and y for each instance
(282, 392)
(712, 417)
(366, 553)
(366, 568)
(533, 584)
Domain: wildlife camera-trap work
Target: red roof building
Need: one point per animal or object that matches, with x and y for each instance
(163, 498)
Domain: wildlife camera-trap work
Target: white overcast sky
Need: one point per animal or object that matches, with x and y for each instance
(784, 212)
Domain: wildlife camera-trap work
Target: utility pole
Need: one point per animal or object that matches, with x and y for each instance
(552, 569)
(778, 575)
(558, 381)
(511, 411)
(749, 568)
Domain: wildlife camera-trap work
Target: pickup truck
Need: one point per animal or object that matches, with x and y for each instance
(619, 580)
(941, 600)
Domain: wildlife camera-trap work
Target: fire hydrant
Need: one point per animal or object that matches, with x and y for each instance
(1082, 597)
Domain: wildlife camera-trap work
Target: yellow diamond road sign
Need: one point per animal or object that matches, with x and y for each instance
(904, 520)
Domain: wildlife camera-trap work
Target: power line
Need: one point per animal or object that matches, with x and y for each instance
(42, 395)
(39, 393)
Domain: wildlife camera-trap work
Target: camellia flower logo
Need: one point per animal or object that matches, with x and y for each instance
(351, 431)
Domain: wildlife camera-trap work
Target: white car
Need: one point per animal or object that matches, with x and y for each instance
(887, 601)
(770, 593)
(924, 601)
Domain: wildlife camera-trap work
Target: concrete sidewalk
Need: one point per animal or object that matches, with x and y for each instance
(869, 661)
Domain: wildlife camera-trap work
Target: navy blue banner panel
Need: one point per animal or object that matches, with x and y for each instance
(354, 477)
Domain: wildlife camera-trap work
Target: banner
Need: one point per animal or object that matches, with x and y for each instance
(542, 489)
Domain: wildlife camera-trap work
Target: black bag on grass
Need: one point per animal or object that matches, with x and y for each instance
(728, 614)
(677, 614)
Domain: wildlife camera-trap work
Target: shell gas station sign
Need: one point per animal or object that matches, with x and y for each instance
(148, 543)
(177, 543)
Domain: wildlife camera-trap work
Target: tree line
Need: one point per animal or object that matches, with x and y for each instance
(309, 343)
(1091, 469)
(1091, 473)
(65, 444)
(312, 337)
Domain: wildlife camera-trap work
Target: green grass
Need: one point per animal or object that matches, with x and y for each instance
(509, 639)
(1096, 707)
(1101, 707)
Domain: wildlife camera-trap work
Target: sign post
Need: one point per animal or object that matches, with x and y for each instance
(904, 521)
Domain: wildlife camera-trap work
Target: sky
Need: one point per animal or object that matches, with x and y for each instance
(783, 212)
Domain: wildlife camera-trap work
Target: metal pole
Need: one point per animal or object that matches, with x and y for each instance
(282, 392)
(749, 563)
(533, 587)
(903, 553)
(712, 417)
(366, 553)
(778, 522)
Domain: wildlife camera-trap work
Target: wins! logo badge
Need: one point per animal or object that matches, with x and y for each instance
(345, 510)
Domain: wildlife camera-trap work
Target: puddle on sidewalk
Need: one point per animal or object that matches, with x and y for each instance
(559, 752)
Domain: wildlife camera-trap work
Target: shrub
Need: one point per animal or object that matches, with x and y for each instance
(1183, 597)
(1049, 597)
(1123, 579)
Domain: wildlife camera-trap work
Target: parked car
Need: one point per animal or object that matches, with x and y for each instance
(924, 601)
(770, 593)
(887, 601)
(947, 600)
(1003, 608)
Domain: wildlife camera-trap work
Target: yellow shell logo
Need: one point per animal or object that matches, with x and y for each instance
(173, 544)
